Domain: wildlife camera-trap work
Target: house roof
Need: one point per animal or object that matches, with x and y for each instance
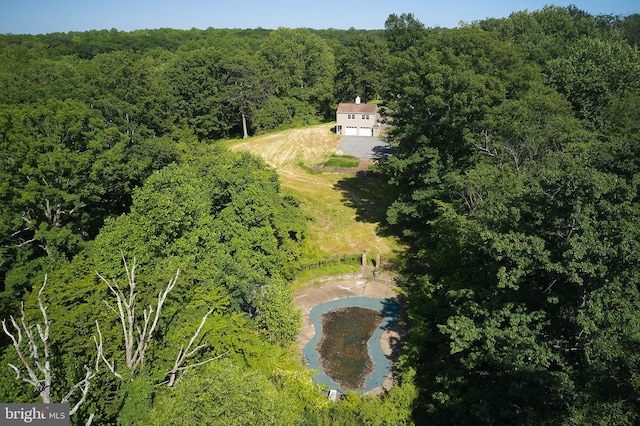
(357, 108)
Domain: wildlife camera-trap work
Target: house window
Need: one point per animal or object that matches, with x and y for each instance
(351, 116)
(365, 116)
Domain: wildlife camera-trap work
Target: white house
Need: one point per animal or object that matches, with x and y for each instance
(357, 119)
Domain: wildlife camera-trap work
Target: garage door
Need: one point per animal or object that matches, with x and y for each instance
(366, 131)
(351, 131)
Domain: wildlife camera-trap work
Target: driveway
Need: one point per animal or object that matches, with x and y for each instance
(364, 147)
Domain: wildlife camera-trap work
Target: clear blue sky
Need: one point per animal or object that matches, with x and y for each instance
(47, 16)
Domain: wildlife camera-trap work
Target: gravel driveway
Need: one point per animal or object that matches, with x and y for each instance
(364, 147)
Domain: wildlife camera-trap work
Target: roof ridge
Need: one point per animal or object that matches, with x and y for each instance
(346, 107)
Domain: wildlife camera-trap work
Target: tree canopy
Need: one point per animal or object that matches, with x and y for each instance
(521, 220)
(515, 186)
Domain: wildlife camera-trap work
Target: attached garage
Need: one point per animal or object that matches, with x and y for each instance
(357, 119)
(351, 131)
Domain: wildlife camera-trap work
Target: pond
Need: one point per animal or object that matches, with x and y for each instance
(343, 348)
(346, 348)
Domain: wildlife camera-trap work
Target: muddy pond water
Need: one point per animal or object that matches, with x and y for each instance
(343, 348)
(346, 349)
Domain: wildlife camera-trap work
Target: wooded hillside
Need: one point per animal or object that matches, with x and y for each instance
(168, 259)
(517, 178)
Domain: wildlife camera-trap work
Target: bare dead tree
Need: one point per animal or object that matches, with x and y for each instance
(185, 353)
(37, 361)
(487, 147)
(136, 332)
(36, 365)
(100, 348)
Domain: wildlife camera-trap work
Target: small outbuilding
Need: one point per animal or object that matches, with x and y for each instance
(357, 119)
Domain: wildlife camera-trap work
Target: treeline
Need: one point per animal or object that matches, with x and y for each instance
(142, 261)
(205, 79)
(517, 178)
(87, 117)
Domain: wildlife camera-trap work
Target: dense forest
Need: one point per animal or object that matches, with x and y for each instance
(157, 264)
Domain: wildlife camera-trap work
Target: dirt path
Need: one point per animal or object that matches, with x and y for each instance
(349, 286)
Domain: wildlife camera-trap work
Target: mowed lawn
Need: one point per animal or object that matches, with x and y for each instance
(345, 209)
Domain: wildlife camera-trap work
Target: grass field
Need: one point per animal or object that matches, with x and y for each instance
(345, 209)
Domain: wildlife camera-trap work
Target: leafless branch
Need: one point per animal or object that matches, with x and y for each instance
(84, 386)
(548, 289)
(18, 232)
(37, 366)
(486, 148)
(183, 353)
(514, 154)
(100, 350)
(73, 210)
(40, 380)
(26, 242)
(26, 217)
(472, 198)
(136, 332)
(46, 249)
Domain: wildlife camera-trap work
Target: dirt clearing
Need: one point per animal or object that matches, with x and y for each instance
(337, 227)
(340, 222)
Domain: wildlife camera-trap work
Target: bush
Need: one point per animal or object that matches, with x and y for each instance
(341, 161)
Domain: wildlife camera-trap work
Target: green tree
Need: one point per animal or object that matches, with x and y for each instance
(544, 34)
(595, 72)
(514, 298)
(403, 31)
(445, 95)
(277, 315)
(47, 188)
(65, 169)
(221, 214)
(394, 407)
(30, 76)
(132, 91)
(522, 230)
(300, 67)
(223, 393)
(217, 92)
(244, 88)
(631, 29)
(618, 152)
(361, 68)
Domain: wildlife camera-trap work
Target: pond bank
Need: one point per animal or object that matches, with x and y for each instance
(389, 308)
(341, 287)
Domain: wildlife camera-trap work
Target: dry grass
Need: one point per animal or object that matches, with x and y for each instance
(343, 222)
